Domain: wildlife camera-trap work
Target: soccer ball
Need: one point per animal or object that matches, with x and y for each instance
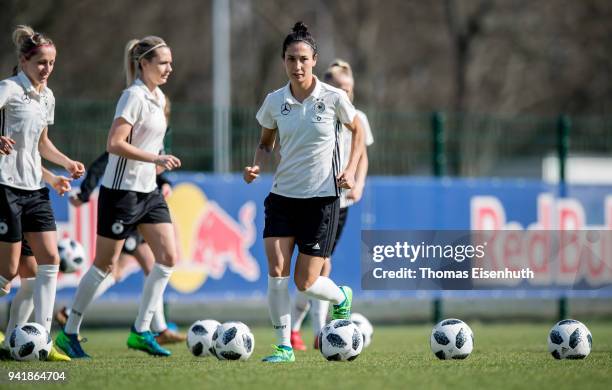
(30, 341)
(452, 339)
(199, 337)
(72, 255)
(365, 327)
(569, 339)
(340, 340)
(233, 341)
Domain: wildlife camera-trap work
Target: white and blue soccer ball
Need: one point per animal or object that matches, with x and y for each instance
(30, 341)
(569, 339)
(199, 337)
(365, 327)
(340, 340)
(72, 255)
(233, 341)
(452, 339)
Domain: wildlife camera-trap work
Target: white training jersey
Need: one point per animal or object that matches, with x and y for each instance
(144, 110)
(309, 139)
(24, 114)
(347, 137)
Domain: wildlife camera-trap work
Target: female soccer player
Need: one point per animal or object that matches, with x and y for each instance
(26, 110)
(302, 207)
(129, 197)
(22, 304)
(134, 248)
(340, 75)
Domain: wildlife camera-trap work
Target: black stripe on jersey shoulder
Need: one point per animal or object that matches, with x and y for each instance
(2, 121)
(121, 164)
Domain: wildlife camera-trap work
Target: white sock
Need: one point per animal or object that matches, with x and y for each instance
(84, 296)
(107, 283)
(158, 323)
(44, 294)
(152, 293)
(21, 306)
(318, 314)
(279, 306)
(324, 288)
(3, 289)
(299, 310)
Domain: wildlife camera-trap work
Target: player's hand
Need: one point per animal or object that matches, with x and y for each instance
(75, 201)
(61, 184)
(6, 145)
(250, 173)
(167, 161)
(346, 180)
(166, 190)
(76, 169)
(356, 193)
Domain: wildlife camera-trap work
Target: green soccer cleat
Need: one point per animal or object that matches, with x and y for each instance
(342, 311)
(145, 341)
(282, 354)
(71, 345)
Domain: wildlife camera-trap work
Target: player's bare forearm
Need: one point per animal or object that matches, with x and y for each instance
(49, 152)
(357, 144)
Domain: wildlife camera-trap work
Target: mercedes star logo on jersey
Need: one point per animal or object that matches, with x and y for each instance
(285, 108)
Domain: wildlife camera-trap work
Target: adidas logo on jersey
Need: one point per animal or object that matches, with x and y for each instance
(316, 246)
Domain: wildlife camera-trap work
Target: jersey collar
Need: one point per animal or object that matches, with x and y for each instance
(156, 96)
(292, 100)
(28, 87)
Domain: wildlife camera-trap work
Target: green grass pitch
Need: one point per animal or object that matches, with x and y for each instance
(505, 357)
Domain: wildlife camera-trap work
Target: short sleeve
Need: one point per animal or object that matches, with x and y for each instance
(51, 110)
(345, 109)
(264, 115)
(369, 138)
(129, 107)
(5, 92)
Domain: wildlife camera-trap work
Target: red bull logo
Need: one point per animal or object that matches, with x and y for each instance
(209, 241)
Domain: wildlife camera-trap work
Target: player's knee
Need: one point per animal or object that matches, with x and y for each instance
(303, 282)
(48, 259)
(168, 258)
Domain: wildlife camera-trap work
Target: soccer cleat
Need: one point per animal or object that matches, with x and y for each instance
(296, 341)
(342, 311)
(172, 326)
(71, 345)
(169, 337)
(62, 316)
(282, 354)
(145, 341)
(5, 353)
(57, 356)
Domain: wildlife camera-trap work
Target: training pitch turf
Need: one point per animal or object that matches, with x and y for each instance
(504, 356)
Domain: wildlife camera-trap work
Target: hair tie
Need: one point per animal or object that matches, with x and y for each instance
(150, 50)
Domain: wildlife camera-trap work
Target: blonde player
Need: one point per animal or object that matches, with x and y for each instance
(303, 205)
(27, 109)
(129, 198)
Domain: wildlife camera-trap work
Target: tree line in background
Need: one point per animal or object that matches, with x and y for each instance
(491, 56)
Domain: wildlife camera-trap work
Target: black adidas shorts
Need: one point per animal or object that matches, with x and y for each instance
(120, 211)
(341, 223)
(312, 221)
(24, 211)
